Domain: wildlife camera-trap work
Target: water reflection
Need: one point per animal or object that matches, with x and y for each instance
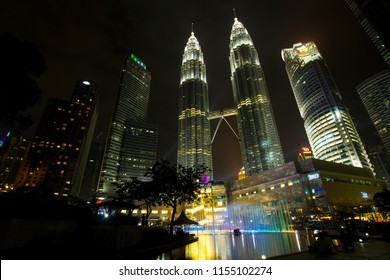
(247, 246)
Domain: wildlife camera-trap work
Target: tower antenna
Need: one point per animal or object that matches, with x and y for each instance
(234, 12)
(192, 27)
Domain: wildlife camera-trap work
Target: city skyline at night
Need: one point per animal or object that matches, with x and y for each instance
(90, 41)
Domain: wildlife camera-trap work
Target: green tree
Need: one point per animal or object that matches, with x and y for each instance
(21, 63)
(176, 184)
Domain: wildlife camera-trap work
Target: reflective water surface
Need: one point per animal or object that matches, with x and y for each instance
(247, 246)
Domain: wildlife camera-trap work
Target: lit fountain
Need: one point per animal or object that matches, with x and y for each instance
(268, 217)
(265, 217)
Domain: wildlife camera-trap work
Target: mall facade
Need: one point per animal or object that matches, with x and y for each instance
(312, 189)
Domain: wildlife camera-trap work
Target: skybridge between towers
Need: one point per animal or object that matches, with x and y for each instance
(221, 115)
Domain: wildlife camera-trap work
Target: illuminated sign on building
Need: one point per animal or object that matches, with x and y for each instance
(364, 194)
(136, 60)
(313, 176)
(305, 154)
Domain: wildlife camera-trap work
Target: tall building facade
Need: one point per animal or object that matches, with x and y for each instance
(92, 171)
(12, 154)
(194, 141)
(328, 124)
(375, 95)
(58, 153)
(259, 140)
(131, 145)
(374, 16)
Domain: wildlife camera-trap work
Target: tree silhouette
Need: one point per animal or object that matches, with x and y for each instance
(21, 63)
(382, 201)
(176, 185)
(139, 193)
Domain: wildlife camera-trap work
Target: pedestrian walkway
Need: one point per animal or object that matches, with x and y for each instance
(367, 250)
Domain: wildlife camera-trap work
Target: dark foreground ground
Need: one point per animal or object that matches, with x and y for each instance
(374, 249)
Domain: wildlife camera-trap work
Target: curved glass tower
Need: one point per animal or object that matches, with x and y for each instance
(194, 143)
(329, 127)
(259, 139)
(375, 95)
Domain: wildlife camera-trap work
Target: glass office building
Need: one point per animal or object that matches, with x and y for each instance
(131, 145)
(259, 140)
(328, 124)
(375, 95)
(374, 16)
(194, 141)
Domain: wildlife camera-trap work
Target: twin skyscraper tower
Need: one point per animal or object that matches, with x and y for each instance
(259, 140)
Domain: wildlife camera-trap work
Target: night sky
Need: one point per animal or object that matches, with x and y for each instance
(89, 40)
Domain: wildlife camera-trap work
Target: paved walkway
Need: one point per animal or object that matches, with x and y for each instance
(368, 250)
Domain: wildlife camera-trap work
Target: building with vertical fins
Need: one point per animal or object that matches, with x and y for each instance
(328, 124)
(374, 16)
(194, 141)
(375, 95)
(131, 146)
(259, 140)
(57, 155)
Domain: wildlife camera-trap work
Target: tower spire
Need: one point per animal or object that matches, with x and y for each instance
(234, 12)
(192, 28)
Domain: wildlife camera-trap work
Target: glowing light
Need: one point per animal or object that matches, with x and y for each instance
(305, 149)
(364, 194)
(302, 49)
(313, 176)
(204, 179)
(86, 83)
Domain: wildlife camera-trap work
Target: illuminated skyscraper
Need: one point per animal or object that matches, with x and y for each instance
(374, 16)
(57, 155)
(329, 127)
(194, 143)
(132, 141)
(259, 140)
(375, 95)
